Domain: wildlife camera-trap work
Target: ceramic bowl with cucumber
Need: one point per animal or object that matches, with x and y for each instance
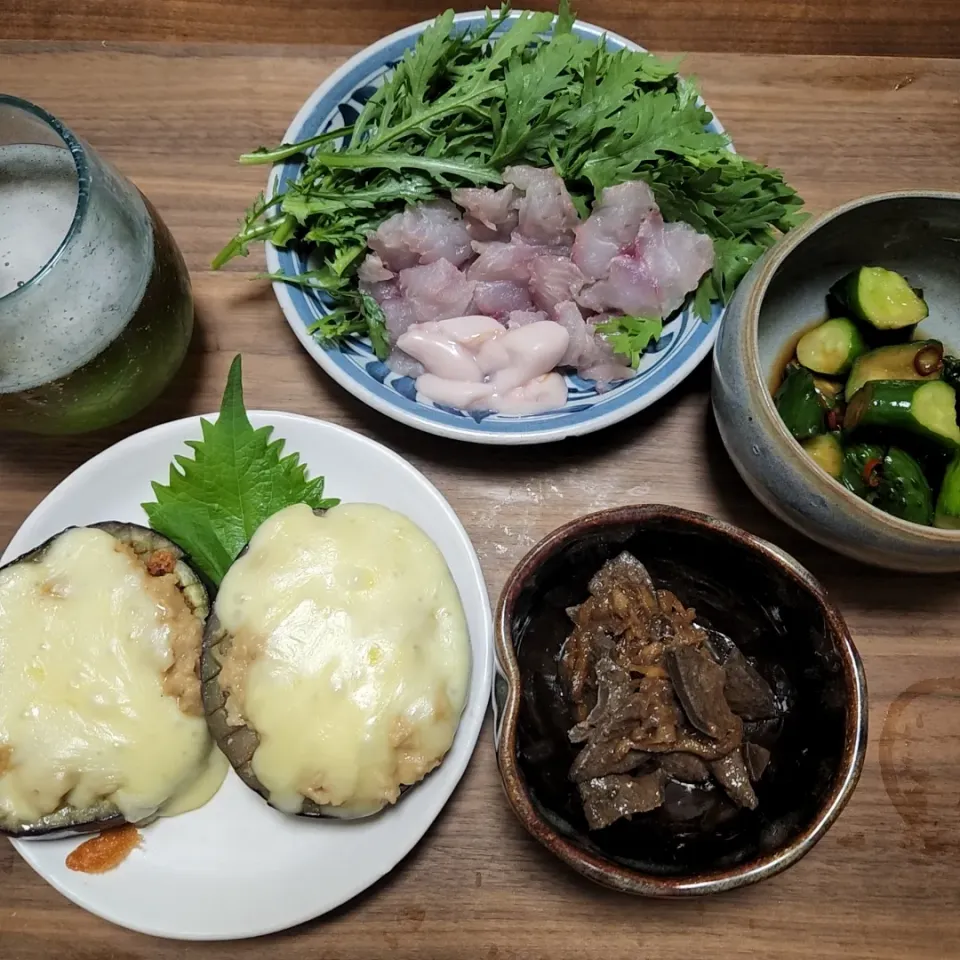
(836, 380)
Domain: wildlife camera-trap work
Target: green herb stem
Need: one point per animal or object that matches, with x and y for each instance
(287, 150)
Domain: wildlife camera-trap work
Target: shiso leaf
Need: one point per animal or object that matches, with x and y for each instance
(237, 478)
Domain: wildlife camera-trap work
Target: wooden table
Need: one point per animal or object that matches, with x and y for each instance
(929, 28)
(885, 882)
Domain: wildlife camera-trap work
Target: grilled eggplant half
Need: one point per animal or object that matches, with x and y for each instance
(336, 660)
(83, 622)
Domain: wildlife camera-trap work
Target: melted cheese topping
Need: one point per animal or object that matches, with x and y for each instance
(85, 647)
(352, 655)
(202, 790)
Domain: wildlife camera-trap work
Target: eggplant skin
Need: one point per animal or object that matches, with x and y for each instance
(68, 821)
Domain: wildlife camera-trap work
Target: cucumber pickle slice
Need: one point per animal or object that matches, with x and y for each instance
(925, 409)
(831, 347)
(881, 298)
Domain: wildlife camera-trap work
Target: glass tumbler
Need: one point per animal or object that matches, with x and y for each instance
(96, 312)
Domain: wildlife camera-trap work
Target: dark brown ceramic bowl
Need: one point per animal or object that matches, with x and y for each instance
(778, 615)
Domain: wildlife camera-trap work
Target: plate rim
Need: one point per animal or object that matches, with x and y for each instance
(357, 388)
(472, 719)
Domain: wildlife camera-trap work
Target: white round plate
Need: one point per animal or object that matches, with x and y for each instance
(236, 867)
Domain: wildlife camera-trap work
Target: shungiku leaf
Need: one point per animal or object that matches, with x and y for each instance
(630, 337)
(237, 478)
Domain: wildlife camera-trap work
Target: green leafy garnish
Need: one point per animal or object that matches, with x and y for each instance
(215, 501)
(459, 107)
(630, 336)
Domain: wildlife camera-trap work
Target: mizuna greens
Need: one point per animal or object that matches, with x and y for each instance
(458, 108)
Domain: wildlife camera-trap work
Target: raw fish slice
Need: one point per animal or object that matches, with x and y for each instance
(666, 263)
(547, 214)
(503, 261)
(612, 227)
(400, 314)
(436, 291)
(381, 290)
(499, 298)
(588, 350)
(494, 209)
(553, 280)
(422, 234)
(581, 343)
(373, 271)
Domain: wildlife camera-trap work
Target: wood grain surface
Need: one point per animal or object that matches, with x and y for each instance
(884, 883)
(929, 28)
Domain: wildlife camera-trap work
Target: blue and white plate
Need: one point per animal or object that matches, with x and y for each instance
(685, 342)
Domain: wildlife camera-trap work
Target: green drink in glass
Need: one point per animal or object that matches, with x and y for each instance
(96, 312)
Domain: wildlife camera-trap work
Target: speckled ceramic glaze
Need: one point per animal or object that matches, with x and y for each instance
(917, 234)
(778, 615)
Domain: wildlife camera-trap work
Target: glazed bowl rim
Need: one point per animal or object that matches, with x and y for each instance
(606, 871)
(761, 400)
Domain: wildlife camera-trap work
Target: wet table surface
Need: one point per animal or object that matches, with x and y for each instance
(884, 882)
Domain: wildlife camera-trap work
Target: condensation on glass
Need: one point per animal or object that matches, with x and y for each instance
(95, 306)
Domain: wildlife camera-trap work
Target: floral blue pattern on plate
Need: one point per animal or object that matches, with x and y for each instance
(685, 342)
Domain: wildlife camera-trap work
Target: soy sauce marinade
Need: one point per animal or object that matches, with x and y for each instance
(95, 305)
(873, 403)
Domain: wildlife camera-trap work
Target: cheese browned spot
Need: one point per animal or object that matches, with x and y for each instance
(6, 758)
(348, 656)
(160, 562)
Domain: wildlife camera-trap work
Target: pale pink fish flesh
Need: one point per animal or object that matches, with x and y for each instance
(373, 271)
(399, 314)
(553, 280)
(547, 214)
(501, 297)
(588, 350)
(381, 290)
(459, 290)
(436, 291)
(612, 226)
(665, 264)
(502, 261)
(496, 210)
(422, 234)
